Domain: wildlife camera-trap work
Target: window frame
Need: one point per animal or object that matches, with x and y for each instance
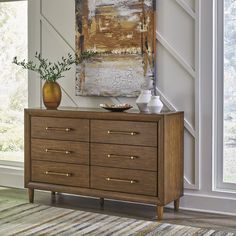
(218, 101)
(13, 165)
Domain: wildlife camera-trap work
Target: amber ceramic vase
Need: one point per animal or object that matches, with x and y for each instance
(51, 95)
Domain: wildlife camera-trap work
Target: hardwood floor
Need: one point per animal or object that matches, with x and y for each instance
(146, 212)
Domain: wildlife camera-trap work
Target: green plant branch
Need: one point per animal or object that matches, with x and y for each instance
(49, 71)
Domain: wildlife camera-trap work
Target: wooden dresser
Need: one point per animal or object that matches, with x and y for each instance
(125, 156)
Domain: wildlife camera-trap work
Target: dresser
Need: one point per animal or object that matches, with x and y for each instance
(126, 156)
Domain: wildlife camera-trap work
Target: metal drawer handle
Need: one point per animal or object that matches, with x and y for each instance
(122, 180)
(124, 156)
(58, 129)
(57, 151)
(122, 132)
(57, 173)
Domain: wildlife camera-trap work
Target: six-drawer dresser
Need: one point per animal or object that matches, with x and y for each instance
(126, 156)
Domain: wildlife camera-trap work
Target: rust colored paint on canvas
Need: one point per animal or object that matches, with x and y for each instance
(123, 33)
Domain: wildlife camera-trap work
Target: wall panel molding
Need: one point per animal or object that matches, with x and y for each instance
(46, 21)
(189, 128)
(193, 72)
(198, 31)
(187, 8)
(170, 106)
(175, 54)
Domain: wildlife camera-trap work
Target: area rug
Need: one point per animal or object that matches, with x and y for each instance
(34, 219)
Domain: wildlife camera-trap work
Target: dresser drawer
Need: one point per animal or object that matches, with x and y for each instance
(126, 181)
(59, 173)
(123, 156)
(60, 128)
(124, 132)
(60, 151)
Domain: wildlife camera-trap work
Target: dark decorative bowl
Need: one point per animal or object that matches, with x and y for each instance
(116, 108)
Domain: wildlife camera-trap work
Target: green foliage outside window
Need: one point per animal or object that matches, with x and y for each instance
(13, 80)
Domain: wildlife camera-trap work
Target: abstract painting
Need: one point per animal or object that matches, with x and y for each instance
(122, 32)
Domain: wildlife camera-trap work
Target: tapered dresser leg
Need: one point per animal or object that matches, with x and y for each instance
(31, 195)
(176, 205)
(160, 210)
(101, 200)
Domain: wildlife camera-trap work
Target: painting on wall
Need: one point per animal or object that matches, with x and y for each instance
(122, 32)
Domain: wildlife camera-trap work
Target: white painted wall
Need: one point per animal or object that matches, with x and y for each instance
(184, 33)
(55, 37)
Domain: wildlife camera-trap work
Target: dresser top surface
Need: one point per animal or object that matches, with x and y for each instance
(100, 110)
(99, 113)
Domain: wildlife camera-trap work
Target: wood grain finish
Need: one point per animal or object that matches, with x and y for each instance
(99, 114)
(126, 181)
(31, 195)
(119, 132)
(60, 151)
(60, 128)
(130, 197)
(101, 201)
(173, 161)
(140, 159)
(160, 211)
(59, 173)
(176, 204)
(27, 148)
(123, 156)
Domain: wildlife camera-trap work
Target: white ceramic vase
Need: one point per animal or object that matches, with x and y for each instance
(143, 100)
(155, 105)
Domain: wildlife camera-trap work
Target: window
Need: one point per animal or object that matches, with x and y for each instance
(225, 94)
(229, 170)
(13, 80)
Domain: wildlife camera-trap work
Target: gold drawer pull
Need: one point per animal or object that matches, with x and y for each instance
(57, 173)
(57, 151)
(58, 129)
(124, 156)
(122, 180)
(122, 132)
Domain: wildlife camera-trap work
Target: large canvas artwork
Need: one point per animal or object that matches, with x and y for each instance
(122, 32)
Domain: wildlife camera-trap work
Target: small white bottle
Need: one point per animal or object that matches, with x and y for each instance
(155, 105)
(143, 100)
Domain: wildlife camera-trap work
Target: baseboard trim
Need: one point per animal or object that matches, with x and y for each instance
(12, 177)
(208, 204)
(207, 211)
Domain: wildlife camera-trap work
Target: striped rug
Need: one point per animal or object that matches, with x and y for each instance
(33, 219)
